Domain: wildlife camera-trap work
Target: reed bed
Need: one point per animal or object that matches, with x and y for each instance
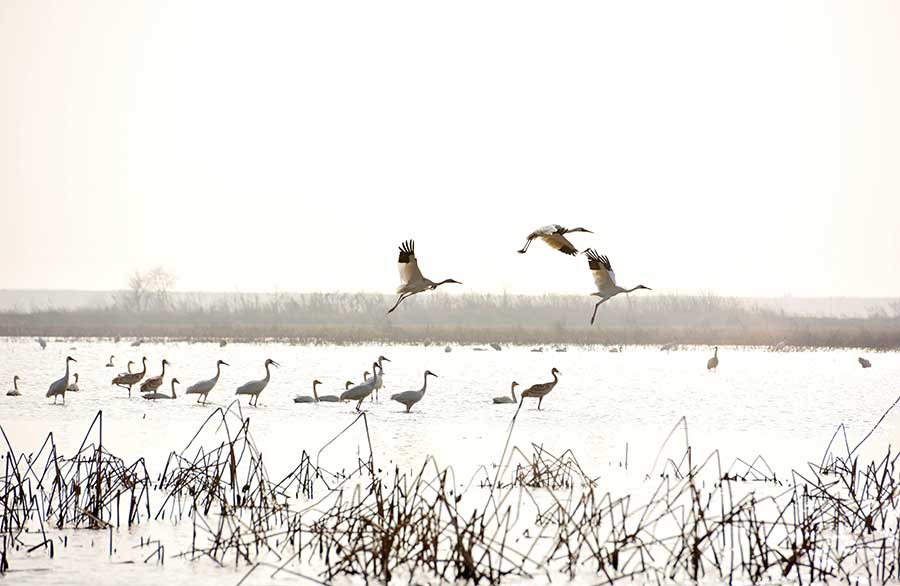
(533, 514)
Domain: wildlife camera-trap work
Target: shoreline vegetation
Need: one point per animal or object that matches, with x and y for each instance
(350, 318)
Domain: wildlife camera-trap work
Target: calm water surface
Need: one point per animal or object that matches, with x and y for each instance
(784, 406)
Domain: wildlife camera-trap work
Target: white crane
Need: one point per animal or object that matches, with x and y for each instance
(203, 387)
(411, 279)
(255, 387)
(110, 363)
(362, 390)
(410, 398)
(157, 395)
(128, 380)
(15, 390)
(713, 363)
(74, 388)
(504, 399)
(605, 279)
(379, 375)
(154, 382)
(541, 390)
(58, 387)
(555, 237)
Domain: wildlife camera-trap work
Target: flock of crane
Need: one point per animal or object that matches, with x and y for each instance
(372, 383)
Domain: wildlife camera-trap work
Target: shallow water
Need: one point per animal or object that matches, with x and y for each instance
(784, 406)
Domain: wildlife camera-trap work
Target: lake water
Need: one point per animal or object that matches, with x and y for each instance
(782, 405)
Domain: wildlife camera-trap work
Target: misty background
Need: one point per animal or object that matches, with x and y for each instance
(738, 149)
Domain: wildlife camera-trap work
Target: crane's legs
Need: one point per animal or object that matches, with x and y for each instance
(525, 248)
(399, 299)
(539, 402)
(596, 307)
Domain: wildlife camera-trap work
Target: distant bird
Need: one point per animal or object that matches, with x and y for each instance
(255, 387)
(780, 346)
(315, 396)
(378, 375)
(154, 382)
(539, 391)
(864, 363)
(110, 363)
(448, 349)
(58, 387)
(411, 279)
(410, 398)
(73, 388)
(130, 363)
(605, 279)
(713, 363)
(504, 399)
(137, 343)
(203, 387)
(129, 379)
(42, 343)
(156, 395)
(222, 343)
(554, 236)
(496, 346)
(362, 390)
(15, 390)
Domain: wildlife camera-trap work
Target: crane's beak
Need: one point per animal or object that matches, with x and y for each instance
(276, 364)
(225, 363)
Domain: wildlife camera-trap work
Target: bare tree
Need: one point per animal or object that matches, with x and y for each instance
(147, 291)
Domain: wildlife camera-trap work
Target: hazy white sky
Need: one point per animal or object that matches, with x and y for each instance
(741, 148)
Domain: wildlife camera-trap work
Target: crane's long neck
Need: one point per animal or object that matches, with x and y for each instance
(67, 371)
(315, 394)
(173, 388)
(630, 290)
(555, 377)
(163, 375)
(218, 371)
(144, 370)
(424, 383)
(716, 353)
(512, 390)
(268, 374)
(16, 383)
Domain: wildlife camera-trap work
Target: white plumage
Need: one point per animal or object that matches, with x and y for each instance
(410, 398)
(362, 390)
(255, 387)
(203, 387)
(605, 280)
(411, 279)
(74, 388)
(58, 387)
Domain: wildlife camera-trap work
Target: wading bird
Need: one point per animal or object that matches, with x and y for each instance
(154, 382)
(128, 380)
(605, 279)
(713, 363)
(203, 387)
(155, 395)
(504, 400)
(362, 390)
(110, 363)
(379, 375)
(15, 390)
(410, 398)
(411, 279)
(74, 388)
(541, 390)
(555, 237)
(255, 387)
(58, 387)
(864, 363)
(330, 398)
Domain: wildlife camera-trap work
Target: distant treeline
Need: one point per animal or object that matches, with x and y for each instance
(468, 318)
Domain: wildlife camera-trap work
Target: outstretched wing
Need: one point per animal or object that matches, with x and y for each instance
(560, 243)
(601, 270)
(407, 263)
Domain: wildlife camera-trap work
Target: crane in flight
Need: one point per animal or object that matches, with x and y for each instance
(555, 237)
(411, 279)
(605, 279)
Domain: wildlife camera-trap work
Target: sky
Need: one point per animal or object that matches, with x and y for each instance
(738, 148)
